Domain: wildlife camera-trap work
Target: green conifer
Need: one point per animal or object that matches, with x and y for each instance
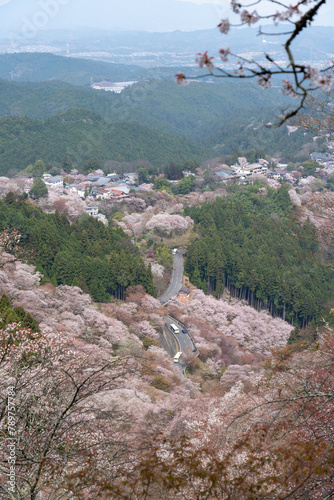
(30, 322)
(4, 303)
(10, 316)
(82, 284)
(20, 313)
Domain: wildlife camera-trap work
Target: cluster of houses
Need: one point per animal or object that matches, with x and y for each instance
(104, 187)
(244, 171)
(326, 160)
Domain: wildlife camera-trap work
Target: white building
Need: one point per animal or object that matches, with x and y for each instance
(92, 210)
(244, 172)
(55, 181)
(101, 218)
(116, 87)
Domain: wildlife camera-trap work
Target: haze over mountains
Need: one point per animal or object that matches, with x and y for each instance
(153, 15)
(116, 182)
(205, 118)
(37, 67)
(200, 120)
(176, 48)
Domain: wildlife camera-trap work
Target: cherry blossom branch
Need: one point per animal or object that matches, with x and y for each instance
(305, 79)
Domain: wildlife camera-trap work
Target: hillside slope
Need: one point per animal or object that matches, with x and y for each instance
(83, 135)
(195, 111)
(36, 67)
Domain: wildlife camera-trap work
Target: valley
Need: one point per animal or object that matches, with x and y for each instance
(166, 276)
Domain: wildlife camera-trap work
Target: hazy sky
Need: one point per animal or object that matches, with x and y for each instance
(151, 15)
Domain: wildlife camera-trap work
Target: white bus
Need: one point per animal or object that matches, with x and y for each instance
(177, 357)
(174, 329)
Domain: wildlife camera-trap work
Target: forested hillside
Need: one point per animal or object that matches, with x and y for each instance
(194, 111)
(101, 260)
(198, 109)
(82, 135)
(101, 360)
(226, 116)
(36, 67)
(44, 99)
(245, 134)
(251, 244)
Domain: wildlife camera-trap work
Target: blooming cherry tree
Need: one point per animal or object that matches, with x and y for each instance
(165, 223)
(271, 441)
(255, 331)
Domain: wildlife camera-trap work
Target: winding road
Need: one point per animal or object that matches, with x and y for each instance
(184, 340)
(176, 281)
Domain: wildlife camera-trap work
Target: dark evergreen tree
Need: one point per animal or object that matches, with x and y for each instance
(30, 322)
(9, 316)
(252, 245)
(66, 164)
(20, 313)
(39, 189)
(4, 303)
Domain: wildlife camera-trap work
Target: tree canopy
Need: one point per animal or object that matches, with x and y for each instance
(39, 189)
(251, 244)
(100, 260)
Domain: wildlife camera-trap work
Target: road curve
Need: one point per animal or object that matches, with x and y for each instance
(184, 340)
(176, 281)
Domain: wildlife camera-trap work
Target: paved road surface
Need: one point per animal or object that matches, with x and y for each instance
(177, 279)
(186, 345)
(185, 342)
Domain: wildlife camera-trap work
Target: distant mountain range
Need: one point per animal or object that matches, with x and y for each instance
(155, 120)
(37, 67)
(193, 112)
(176, 48)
